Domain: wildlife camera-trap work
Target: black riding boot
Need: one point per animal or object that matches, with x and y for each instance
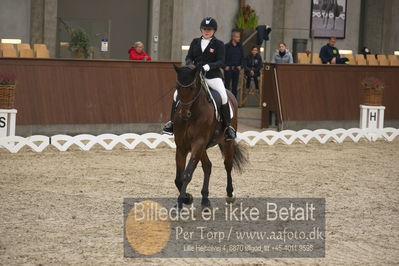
(168, 128)
(229, 132)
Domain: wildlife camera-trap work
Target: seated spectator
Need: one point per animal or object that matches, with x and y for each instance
(282, 56)
(329, 54)
(137, 53)
(252, 66)
(365, 51)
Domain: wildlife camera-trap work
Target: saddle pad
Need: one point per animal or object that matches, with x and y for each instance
(217, 103)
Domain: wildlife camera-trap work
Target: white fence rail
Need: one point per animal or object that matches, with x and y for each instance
(108, 141)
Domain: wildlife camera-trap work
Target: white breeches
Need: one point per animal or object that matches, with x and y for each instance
(217, 85)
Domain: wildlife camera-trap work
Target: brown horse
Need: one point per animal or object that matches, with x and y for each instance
(196, 129)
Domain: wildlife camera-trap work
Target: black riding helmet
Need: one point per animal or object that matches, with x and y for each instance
(209, 23)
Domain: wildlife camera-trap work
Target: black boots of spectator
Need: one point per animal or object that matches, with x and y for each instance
(256, 81)
(168, 128)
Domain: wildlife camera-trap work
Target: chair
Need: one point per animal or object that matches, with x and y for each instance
(21, 46)
(38, 46)
(382, 60)
(393, 60)
(6, 45)
(371, 60)
(244, 92)
(360, 60)
(9, 52)
(316, 59)
(26, 53)
(351, 59)
(41, 53)
(303, 58)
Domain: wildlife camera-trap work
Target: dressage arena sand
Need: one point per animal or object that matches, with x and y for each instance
(66, 207)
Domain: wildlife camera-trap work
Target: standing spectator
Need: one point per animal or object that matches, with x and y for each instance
(234, 60)
(253, 65)
(282, 56)
(329, 54)
(137, 53)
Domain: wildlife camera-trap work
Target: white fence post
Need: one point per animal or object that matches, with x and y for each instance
(372, 117)
(7, 122)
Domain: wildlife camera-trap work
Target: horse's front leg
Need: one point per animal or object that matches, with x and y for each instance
(181, 156)
(196, 154)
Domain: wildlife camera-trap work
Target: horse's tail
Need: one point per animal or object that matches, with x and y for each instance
(240, 156)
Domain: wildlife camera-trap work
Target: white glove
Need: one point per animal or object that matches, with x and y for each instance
(206, 67)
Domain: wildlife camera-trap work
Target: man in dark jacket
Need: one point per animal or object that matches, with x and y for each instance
(234, 58)
(329, 54)
(252, 66)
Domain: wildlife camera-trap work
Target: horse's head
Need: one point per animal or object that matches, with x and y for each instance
(187, 88)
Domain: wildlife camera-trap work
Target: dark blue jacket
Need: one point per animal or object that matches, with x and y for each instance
(253, 63)
(234, 54)
(327, 53)
(213, 55)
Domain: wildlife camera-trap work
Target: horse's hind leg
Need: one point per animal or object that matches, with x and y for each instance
(228, 151)
(207, 168)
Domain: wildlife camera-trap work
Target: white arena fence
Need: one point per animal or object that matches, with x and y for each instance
(130, 141)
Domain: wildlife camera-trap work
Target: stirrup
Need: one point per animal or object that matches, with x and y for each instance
(168, 128)
(229, 133)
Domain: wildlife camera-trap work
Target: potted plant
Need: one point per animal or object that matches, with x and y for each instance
(7, 91)
(372, 91)
(247, 18)
(246, 22)
(79, 44)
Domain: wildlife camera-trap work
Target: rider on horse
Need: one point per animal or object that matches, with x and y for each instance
(208, 54)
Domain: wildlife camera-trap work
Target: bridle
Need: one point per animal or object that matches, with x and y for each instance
(188, 104)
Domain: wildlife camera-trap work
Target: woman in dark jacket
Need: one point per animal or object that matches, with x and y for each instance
(252, 67)
(208, 54)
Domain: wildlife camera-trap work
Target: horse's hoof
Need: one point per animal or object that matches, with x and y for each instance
(175, 210)
(206, 209)
(206, 205)
(188, 200)
(232, 199)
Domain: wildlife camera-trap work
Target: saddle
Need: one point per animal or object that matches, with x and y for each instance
(215, 98)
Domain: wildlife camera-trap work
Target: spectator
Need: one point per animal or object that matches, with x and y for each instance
(282, 56)
(252, 65)
(329, 54)
(137, 53)
(234, 58)
(365, 51)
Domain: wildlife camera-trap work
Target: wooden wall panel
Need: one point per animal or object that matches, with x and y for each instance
(327, 92)
(55, 91)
